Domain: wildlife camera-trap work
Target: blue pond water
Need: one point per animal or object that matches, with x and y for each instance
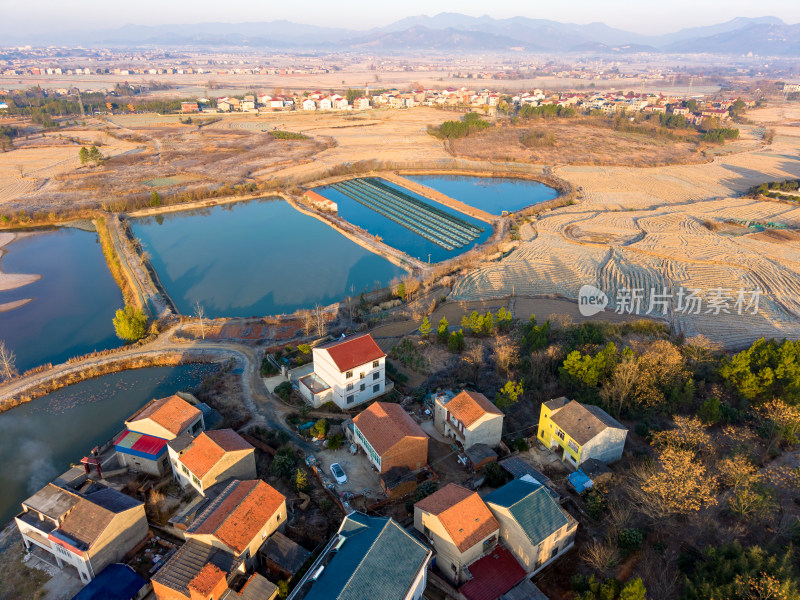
(492, 194)
(73, 302)
(257, 258)
(43, 437)
(394, 234)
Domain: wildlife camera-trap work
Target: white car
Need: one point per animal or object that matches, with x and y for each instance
(338, 473)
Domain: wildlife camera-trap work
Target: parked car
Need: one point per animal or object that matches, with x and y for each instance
(338, 473)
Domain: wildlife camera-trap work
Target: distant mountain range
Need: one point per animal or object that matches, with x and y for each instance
(453, 32)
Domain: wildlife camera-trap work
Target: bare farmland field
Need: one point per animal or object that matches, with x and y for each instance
(666, 227)
(579, 141)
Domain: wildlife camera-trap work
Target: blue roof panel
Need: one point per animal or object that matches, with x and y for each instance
(115, 582)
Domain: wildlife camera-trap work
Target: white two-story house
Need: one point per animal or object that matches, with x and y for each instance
(348, 372)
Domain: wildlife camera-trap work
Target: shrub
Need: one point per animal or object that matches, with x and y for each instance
(130, 323)
(283, 390)
(335, 441)
(495, 475)
(425, 489)
(630, 539)
(456, 343)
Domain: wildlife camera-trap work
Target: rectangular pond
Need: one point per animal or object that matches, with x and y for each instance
(491, 194)
(43, 437)
(420, 227)
(71, 305)
(256, 258)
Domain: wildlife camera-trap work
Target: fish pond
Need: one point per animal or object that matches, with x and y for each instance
(491, 194)
(71, 305)
(43, 437)
(256, 258)
(420, 227)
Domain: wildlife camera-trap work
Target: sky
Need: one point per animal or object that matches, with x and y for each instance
(21, 18)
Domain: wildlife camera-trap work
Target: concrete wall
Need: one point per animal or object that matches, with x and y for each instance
(126, 529)
(240, 464)
(606, 447)
(138, 463)
(325, 368)
(487, 430)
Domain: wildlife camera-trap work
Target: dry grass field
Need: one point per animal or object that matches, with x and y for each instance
(660, 227)
(578, 141)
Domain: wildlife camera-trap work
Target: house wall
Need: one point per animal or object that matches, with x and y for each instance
(449, 559)
(418, 586)
(325, 368)
(125, 530)
(486, 430)
(151, 428)
(162, 592)
(31, 537)
(240, 464)
(607, 447)
(411, 452)
(547, 436)
(153, 467)
(532, 558)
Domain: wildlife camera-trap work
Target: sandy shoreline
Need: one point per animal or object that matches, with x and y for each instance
(10, 281)
(15, 304)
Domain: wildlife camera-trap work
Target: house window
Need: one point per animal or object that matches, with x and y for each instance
(363, 386)
(350, 399)
(560, 434)
(574, 446)
(196, 427)
(375, 376)
(349, 386)
(554, 552)
(184, 469)
(349, 374)
(489, 544)
(196, 481)
(376, 364)
(361, 375)
(376, 388)
(426, 531)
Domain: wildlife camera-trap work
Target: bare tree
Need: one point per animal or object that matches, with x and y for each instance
(8, 360)
(601, 555)
(21, 170)
(308, 321)
(200, 314)
(619, 390)
(506, 354)
(319, 320)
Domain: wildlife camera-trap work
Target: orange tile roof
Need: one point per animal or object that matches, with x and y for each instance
(462, 513)
(173, 413)
(353, 352)
(242, 514)
(468, 407)
(384, 424)
(209, 447)
(207, 579)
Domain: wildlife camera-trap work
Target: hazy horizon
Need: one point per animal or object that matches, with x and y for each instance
(53, 16)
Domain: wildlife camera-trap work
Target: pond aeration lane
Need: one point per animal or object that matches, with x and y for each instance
(439, 227)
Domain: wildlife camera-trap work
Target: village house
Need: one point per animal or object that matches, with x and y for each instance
(210, 458)
(240, 518)
(459, 526)
(390, 437)
(143, 444)
(309, 104)
(198, 571)
(85, 530)
(532, 524)
(189, 107)
(361, 103)
(469, 417)
(347, 372)
(370, 557)
(248, 103)
(580, 432)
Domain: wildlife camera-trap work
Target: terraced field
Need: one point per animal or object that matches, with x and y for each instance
(664, 229)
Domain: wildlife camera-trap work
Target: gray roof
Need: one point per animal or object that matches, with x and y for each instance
(180, 443)
(257, 587)
(186, 563)
(52, 501)
(288, 555)
(535, 511)
(583, 422)
(112, 500)
(525, 590)
(379, 560)
(479, 452)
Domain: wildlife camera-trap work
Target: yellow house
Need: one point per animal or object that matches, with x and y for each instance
(580, 432)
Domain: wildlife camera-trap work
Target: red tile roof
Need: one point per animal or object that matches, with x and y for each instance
(462, 513)
(468, 407)
(207, 579)
(353, 352)
(173, 414)
(384, 424)
(493, 575)
(209, 447)
(242, 514)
